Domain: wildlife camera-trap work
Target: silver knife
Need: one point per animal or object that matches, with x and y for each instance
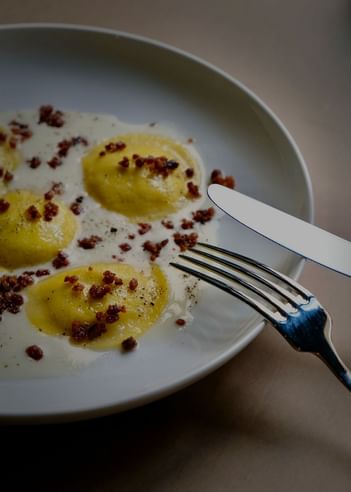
(294, 234)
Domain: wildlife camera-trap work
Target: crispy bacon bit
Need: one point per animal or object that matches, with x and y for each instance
(77, 288)
(133, 284)
(187, 224)
(144, 228)
(180, 322)
(102, 153)
(189, 173)
(34, 352)
(65, 145)
(154, 248)
(99, 291)
(131, 236)
(190, 140)
(7, 177)
(89, 242)
(111, 315)
(12, 142)
(34, 162)
(129, 344)
(4, 205)
(56, 189)
(185, 241)
(108, 277)
(54, 162)
(118, 281)
(83, 331)
(115, 147)
(203, 216)
(138, 161)
(168, 224)
(124, 162)
(193, 190)
(125, 247)
(76, 206)
(3, 137)
(1, 172)
(32, 213)
(61, 260)
(50, 211)
(71, 279)
(51, 117)
(218, 178)
(158, 165)
(20, 130)
(42, 273)
(10, 285)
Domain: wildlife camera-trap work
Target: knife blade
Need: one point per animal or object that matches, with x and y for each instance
(295, 234)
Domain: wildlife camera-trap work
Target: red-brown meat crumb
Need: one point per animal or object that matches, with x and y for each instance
(187, 224)
(65, 145)
(10, 285)
(108, 277)
(133, 284)
(203, 216)
(189, 173)
(111, 315)
(154, 248)
(76, 206)
(124, 163)
(4, 205)
(12, 142)
(83, 331)
(50, 116)
(61, 260)
(144, 228)
(125, 247)
(32, 213)
(56, 189)
(185, 241)
(112, 147)
(217, 177)
(50, 211)
(129, 344)
(34, 162)
(89, 242)
(71, 279)
(77, 288)
(3, 137)
(34, 352)
(55, 162)
(180, 322)
(99, 291)
(42, 273)
(131, 236)
(168, 224)
(20, 130)
(193, 190)
(118, 281)
(7, 177)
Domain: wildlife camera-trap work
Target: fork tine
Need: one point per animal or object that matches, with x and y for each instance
(280, 276)
(260, 308)
(261, 293)
(236, 266)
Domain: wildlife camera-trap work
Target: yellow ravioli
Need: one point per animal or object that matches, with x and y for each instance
(25, 241)
(137, 192)
(53, 305)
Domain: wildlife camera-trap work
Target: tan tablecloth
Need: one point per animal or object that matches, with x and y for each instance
(270, 419)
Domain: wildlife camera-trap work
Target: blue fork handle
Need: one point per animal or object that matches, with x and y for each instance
(329, 356)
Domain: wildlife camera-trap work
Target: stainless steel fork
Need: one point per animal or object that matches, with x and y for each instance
(288, 306)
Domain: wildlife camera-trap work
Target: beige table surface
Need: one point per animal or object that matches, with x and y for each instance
(270, 419)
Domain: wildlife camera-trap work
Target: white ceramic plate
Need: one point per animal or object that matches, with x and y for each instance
(97, 70)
